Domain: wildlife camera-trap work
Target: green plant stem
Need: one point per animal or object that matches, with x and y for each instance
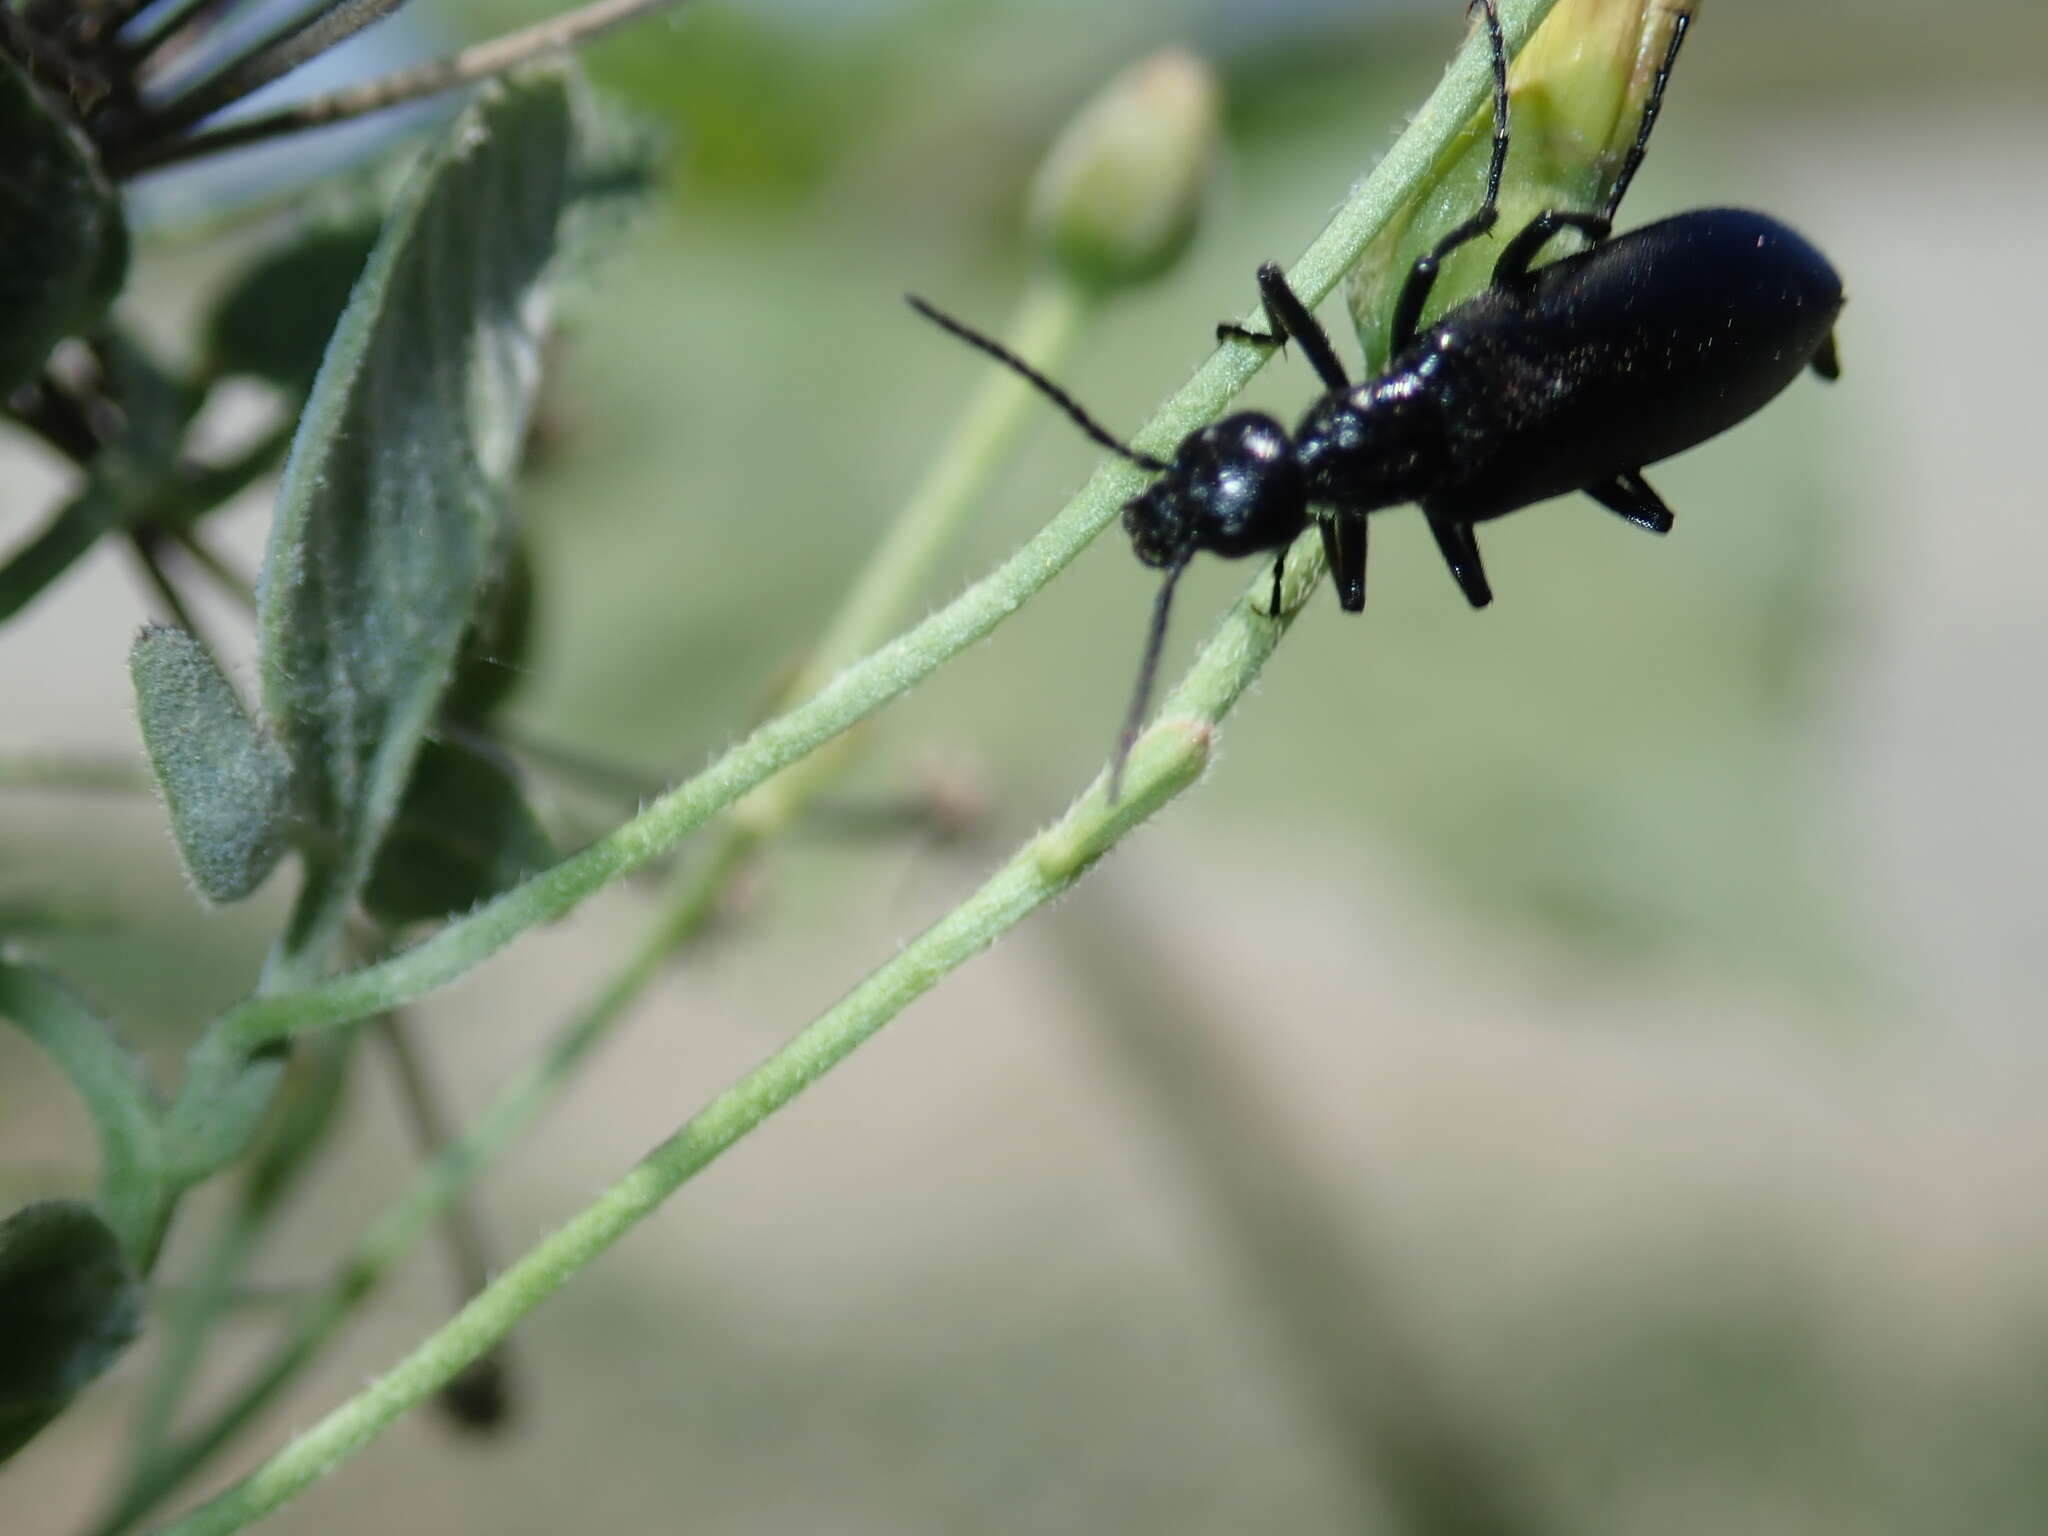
(186, 1332)
(398, 1229)
(232, 583)
(1167, 759)
(880, 677)
(144, 550)
(297, 1130)
(1051, 315)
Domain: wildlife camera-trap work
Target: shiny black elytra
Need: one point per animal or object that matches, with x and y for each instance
(1565, 377)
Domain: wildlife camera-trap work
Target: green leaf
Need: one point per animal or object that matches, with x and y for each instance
(619, 155)
(226, 785)
(392, 512)
(494, 651)
(219, 1106)
(73, 530)
(66, 250)
(69, 1304)
(274, 321)
(125, 476)
(115, 1094)
(463, 834)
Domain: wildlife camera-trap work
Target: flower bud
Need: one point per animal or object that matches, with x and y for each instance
(1117, 199)
(1576, 94)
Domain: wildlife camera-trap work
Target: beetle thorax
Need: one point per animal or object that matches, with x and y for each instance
(1374, 446)
(1233, 489)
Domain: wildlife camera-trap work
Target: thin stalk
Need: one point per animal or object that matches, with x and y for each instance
(231, 582)
(144, 547)
(468, 1253)
(300, 42)
(198, 487)
(1050, 316)
(1048, 320)
(573, 765)
(296, 1132)
(868, 684)
(480, 1395)
(557, 34)
(186, 1332)
(1167, 759)
(398, 1229)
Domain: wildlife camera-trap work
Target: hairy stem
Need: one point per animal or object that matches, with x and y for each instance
(1168, 758)
(557, 34)
(1049, 318)
(1165, 760)
(875, 680)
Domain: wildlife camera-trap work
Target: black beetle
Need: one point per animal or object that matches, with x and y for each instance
(1565, 377)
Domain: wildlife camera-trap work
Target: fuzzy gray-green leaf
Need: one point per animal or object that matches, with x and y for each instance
(391, 516)
(225, 783)
(65, 247)
(69, 1304)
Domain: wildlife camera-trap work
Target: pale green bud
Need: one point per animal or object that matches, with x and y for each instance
(1576, 94)
(1117, 199)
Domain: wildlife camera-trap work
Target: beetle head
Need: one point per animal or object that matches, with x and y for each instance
(1232, 489)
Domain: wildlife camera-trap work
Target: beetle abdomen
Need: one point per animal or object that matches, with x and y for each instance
(1628, 353)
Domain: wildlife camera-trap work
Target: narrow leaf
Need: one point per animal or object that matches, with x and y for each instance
(69, 1304)
(70, 532)
(125, 478)
(390, 519)
(110, 1082)
(66, 249)
(463, 834)
(224, 782)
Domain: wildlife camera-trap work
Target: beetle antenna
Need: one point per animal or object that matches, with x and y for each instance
(1148, 669)
(1045, 386)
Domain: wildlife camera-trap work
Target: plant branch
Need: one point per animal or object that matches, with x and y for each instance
(872, 682)
(1166, 760)
(1048, 319)
(557, 34)
(300, 42)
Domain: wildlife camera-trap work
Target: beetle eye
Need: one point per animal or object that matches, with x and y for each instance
(1157, 527)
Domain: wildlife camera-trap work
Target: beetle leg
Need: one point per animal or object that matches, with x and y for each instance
(1630, 495)
(1344, 552)
(1279, 571)
(1289, 317)
(1827, 361)
(1633, 163)
(1461, 553)
(1513, 266)
(1515, 261)
(1422, 276)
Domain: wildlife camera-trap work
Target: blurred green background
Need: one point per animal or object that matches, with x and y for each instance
(1571, 1069)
